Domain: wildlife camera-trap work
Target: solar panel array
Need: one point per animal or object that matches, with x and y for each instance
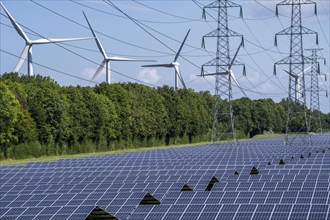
(72, 188)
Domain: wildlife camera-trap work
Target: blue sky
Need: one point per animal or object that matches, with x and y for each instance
(171, 20)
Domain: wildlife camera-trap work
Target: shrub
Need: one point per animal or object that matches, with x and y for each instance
(26, 150)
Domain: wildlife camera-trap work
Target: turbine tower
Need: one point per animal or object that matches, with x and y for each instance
(297, 121)
(175, 65)
(315, 90)
(27, 51)
(106, 58)
(223, 124)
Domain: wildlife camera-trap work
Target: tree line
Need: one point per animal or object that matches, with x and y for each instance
(39, 117)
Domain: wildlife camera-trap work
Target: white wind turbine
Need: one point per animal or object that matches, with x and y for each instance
(174, 64)
(231, 74)
(297, 81)
(27, 51)
(107, 59)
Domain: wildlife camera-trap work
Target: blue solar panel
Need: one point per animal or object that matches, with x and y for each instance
(278, 216)
(72, 188)
(261, 215)
(316, 216)
(226, 215)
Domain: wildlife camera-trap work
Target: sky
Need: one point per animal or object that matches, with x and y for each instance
(165, 24)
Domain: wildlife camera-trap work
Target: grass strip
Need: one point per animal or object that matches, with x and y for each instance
(13, 162)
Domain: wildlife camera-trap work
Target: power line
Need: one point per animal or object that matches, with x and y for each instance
(77, 77)
(83, 57)
(36, 34)
(108, 36)
(245, 18)
(87, 49)
(50, 68)
(171, 38)
(186, 54)
(143, 20)
(166, 13)
(326, 40)
(265, 51)
(259, 46)
(140, 24)
(168, 54)
(251, 42)
(283, 15)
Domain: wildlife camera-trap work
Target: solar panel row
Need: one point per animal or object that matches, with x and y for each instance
(72, 188)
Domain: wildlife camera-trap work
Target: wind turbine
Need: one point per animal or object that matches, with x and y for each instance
(230, 73)
(297, 79)
(174, 64)
(106, 58)
(27, 51)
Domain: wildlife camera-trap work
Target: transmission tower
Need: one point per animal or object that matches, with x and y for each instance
(223, 126)
(297, 120)
(315, 90)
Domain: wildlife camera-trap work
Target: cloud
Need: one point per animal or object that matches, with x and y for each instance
(149, 75)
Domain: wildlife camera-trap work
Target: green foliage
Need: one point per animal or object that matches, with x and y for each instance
(26, 129)
(123, 107)
(49, 110)
(243, 111)
(39, 117)
(26, 150)
(79, 117)
(173, 106)
(10, 117)
(149, 113)
(102, 115)
(195, 113)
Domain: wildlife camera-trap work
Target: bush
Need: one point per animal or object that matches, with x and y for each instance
(26, 150)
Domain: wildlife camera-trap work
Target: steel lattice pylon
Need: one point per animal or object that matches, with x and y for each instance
(315, 90)
(297, 120)
(223, 124)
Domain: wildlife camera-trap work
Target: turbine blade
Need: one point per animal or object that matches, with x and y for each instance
(57, 40)
(299, 74)
(159, 65)
(98, 71)
(303, 72)
(177, 71)
(233, 60)
(22, 58)
(179, 51)
(98, 43)
(236, 82)
(128, 59)
(15, 24)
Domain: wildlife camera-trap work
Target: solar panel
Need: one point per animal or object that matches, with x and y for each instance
(72, 188)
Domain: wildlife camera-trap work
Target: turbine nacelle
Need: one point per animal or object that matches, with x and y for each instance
(174, 64)
(298, 75)
(106, 59)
